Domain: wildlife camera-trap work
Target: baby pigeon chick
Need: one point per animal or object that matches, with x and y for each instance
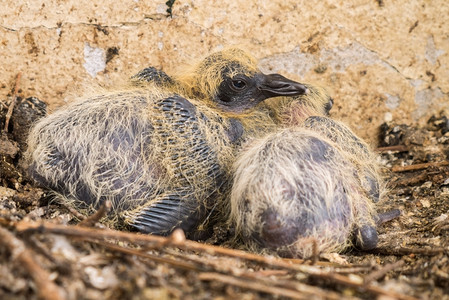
(316, 169)
(160, 153)
(293, 186)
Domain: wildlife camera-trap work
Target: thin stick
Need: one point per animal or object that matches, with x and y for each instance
(344, 280)
(314, 251)
(45, 287)
(416, 167)
(292, 285)
(94, 218)
(176, 263)
(318, 263)
(74, 212)
(13, 102)
(210, 264)
(353, 270)
(410, 181)
(252, 285)
(375, 275)
(407, 251)
(398, 148)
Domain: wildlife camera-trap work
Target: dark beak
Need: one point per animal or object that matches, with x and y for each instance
(274, 85)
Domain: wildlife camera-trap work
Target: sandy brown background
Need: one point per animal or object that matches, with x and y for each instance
(382, 60)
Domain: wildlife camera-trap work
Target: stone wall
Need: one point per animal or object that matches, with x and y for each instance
(382, 60)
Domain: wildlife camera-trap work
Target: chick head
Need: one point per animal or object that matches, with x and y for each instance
(231, 81)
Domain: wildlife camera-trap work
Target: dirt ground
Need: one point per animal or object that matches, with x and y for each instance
(44, 254)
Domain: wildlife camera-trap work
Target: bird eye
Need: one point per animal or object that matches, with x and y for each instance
(239, 84)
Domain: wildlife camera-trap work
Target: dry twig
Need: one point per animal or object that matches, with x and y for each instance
(45, 287)
(409, 251)
(253, 285)
(94, 218)
(375, 275)
(352, 270)
(315, 254)
(417, 167)
(395, 148)
(295, 285)
(13, 102)
(413, 180)
(74, 212)
(173, 262)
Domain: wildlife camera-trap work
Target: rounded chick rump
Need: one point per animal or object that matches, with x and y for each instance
(294, 187)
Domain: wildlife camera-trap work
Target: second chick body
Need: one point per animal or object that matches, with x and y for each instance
(311, 177)
(293, 186)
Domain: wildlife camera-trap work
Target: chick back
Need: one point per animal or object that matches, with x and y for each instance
(129, 147)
